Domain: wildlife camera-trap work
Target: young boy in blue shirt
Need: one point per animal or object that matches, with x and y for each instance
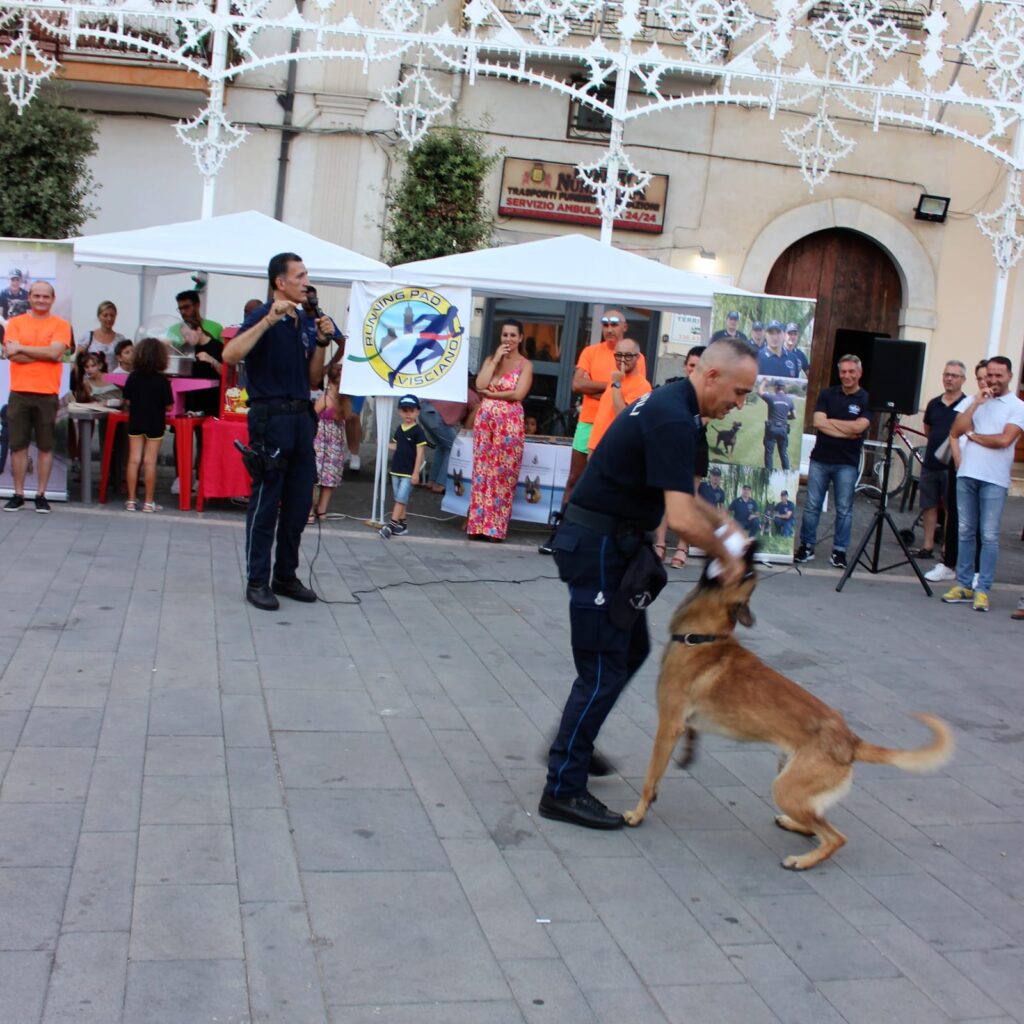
(409, 445)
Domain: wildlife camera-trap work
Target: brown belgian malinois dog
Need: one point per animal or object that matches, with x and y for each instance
(710, 683)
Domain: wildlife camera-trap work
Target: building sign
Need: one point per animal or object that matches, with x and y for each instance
(538, 190)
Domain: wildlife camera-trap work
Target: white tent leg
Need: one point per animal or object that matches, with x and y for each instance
(383, 406)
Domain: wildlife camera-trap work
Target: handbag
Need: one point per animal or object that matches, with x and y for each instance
(944, 453)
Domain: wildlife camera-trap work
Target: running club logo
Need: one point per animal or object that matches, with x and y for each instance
(410, 337)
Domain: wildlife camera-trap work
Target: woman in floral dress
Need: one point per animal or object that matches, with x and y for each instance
(503, 381)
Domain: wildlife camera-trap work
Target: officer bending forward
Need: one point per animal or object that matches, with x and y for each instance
(644, 467)
(282, 362)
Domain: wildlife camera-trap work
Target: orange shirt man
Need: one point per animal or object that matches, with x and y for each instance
(626, 385)
(35, 342)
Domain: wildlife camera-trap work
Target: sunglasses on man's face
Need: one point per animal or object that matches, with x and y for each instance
(610, 321)
(625, 357)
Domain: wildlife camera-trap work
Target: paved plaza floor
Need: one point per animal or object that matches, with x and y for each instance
(328, 813)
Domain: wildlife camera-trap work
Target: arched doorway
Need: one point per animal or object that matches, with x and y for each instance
(857, 287)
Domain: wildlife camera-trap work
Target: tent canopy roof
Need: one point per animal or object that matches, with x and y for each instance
(239, 244)
(572, 267)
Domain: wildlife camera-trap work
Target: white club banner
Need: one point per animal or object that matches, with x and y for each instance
(408, 340)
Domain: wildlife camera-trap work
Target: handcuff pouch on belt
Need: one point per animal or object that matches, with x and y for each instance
(257, 457)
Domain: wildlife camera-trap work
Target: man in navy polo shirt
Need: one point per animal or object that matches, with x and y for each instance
(783, 515)
(281, 368)
(731, 329)
(792, 337)
(781, 409)
(773, 360)
(841, 421)
(745, 511)
(642, 469)
(711, 489)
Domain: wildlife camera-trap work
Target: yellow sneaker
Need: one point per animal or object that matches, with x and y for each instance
(958, 595)
(980, 601)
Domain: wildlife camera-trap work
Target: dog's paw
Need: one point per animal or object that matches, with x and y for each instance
(795, 864)
(633, 818)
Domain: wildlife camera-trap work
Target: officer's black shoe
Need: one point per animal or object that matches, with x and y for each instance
(584, 810)
(600, 766)
(260, 596)
(294, 589)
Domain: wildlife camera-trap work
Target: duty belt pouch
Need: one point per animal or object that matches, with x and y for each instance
(644, 579)
(257, 458)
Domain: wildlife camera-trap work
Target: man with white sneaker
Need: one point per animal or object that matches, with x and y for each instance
(988, 430)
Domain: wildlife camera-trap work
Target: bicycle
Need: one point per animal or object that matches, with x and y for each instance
(552, 421)
(909, 451)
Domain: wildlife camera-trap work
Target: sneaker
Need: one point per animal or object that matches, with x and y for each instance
(804, 554)
(838, 559)
(958, 595)
(974, 581)
(42, 505)
(354, 464)
(939, 573)
(923, 553)
(14, 502)
(386, 530)
(399, 529)
(980, 601)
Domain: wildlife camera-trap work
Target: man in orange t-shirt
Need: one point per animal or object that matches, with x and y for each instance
(35, 342)
(594, 370)
(626, 386)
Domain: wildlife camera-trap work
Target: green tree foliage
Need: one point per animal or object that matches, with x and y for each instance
(438, 207)
(45, 181)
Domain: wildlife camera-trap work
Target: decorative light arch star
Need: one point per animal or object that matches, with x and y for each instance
(1000, 227)
(416, 103)
(818, 145)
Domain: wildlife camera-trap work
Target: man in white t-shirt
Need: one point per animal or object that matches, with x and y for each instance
(988, 429)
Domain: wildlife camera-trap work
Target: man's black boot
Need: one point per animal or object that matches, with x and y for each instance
(584, 810)
(260, 596)
(294, 589)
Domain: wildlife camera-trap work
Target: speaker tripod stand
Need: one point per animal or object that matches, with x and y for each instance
(874, 531)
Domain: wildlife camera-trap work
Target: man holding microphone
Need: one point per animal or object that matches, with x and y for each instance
(283, 362)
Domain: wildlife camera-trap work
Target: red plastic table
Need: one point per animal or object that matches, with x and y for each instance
(221, 471)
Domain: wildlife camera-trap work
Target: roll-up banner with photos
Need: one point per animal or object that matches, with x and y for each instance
(755, 451)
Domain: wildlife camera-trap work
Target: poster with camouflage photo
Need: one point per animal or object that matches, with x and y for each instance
(755, 451)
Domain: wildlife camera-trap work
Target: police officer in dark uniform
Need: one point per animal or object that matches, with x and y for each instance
(282, 362)
(745, 511)
(643, 468)
(781, 409)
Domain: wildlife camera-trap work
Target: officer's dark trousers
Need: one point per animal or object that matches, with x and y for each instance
(772, 440)
(606, 657)
(282, 499)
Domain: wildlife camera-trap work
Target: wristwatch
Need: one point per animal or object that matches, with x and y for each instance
(616, 383)
(322, 344)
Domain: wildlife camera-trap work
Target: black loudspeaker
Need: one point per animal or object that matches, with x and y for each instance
(894, 376)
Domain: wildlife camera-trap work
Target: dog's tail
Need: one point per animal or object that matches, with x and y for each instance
(924, 759)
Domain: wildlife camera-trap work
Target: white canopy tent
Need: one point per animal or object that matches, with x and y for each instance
(238, 244)
(571, 267)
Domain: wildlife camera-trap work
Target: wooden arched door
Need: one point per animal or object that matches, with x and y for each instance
(857, 288)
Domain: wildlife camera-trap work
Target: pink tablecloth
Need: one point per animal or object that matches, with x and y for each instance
(179, 385)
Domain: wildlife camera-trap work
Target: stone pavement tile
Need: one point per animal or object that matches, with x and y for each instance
(850, 899)
(237, 669)
(62, 727)
(467, 757)
(863, 1001)
(265, 856)
(115, 791)
(881, 819)
(684, 804)
(322, 711)
(245, 720)
(185, 800)
(545, 991)
(990, 850)
(132, 678)
(413, 738)
(995, 785)
(654, 928)
(350, 760)
(935, 801)
(305, 672)
(953, 992)
(200, 673)
(998, 972)
(24, 977)
(508, 822)
(87, 985)
(185, 854)
(11, 724)
(185, 755)
(175, 922)
(124, 728)
(100, 895)
(18, 692)
(186, 992)
(31, 903)
(284, 986)
(182, 712)
(819, 941)
(38, 835)
(782, 986)
(497, 1012)
(439, 711)
(47, 774)
(417, 921)
(935, 913)
(755, 766)
(252, 778)
(551, 890)
(744, 863)
(359, 830)
(443, 797)
(502, 908)
(721, 1004)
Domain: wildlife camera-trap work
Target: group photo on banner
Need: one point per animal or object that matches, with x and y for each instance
(754, 452)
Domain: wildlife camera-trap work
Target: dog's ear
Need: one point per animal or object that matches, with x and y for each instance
(742, 614)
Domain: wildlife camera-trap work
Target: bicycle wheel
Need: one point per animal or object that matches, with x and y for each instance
(874, 472)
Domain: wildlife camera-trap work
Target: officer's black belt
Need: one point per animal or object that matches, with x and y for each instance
(271, 408)
(609, 526)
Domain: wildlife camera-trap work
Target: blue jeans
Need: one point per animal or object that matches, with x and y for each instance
(844, 479)
(979, 504)
(443, 436)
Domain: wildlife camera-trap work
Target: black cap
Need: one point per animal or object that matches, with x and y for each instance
(408, 402)
(732, 315)
(757, 326)
(792, 327)
(774, 325)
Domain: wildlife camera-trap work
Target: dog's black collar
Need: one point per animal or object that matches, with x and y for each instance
(693, 639)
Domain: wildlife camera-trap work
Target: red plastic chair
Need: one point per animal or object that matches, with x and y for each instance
(114, 419)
